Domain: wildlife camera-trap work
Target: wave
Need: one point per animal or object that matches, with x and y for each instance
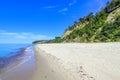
(17, 58)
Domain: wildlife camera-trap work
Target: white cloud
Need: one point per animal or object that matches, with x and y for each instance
(21, 37)
(63, 10)
(50, 7)
(66, 8)
(8, 34)
(72, 3)
(101, 3)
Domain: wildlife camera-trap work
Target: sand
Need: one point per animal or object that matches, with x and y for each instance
(77, 61)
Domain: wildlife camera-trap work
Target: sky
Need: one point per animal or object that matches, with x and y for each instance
(24, 21)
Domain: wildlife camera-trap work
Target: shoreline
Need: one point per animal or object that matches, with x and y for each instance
(77, 61)
(70, 61)
(25, 62)
(46, 65)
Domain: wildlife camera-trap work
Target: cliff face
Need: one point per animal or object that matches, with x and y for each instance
(102, 27)
(67, 32)
(113, 15)
(77, 25)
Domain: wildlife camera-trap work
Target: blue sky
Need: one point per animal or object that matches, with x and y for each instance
(23, 21)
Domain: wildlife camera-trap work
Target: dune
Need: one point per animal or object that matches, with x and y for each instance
(77, 61)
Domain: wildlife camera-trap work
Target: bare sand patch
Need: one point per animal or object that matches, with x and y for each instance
(99, 61)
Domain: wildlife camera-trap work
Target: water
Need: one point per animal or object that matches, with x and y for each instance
(7, 50)
(12, 53)
(17, 59)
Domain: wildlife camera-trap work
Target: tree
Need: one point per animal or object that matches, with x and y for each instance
(82, 20)
(76, 24)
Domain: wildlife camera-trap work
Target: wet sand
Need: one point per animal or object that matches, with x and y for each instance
(22, 69)
(98, 61)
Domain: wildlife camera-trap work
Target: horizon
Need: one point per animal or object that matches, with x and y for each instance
(27, 21)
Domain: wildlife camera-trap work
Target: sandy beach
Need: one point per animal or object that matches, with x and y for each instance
(77, 61)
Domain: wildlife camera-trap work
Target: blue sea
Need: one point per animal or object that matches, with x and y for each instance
(7, 50)
(11, 53)
(16, 58)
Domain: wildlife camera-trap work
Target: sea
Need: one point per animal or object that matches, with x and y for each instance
(7, 50)
(11, 55)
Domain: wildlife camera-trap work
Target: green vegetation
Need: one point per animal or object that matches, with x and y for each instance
(95, 28)
(56, 40)
(98, 29)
